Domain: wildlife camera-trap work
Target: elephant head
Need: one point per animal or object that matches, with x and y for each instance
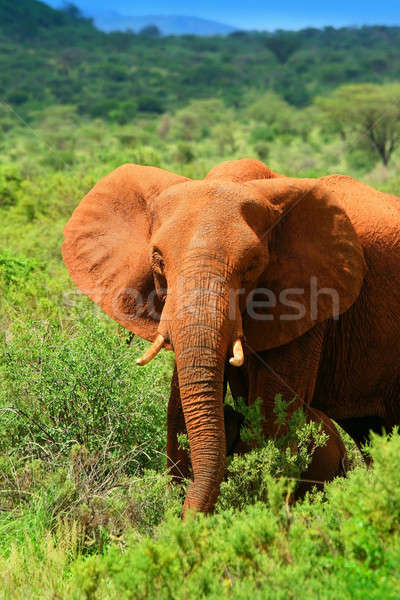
(195, 266)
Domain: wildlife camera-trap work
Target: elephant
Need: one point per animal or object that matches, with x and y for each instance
(268, 283)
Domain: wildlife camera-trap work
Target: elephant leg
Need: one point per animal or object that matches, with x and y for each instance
(178, 460)
(233, 419)
(328, 461)
(233, 424)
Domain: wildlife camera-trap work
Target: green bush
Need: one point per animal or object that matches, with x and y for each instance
(124, 112)
(81, 491)
(58, 390)
(347, 547)
(262, 150)
(253, 477)
(10, 184)
(184, 153)
(15, 269)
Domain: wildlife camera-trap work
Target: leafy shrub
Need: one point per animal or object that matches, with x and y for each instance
(57, 391)
(262, 150)
(10, 184)
(253, 476)
(145, 155)
(124, 112)
(85, 492)
(15, 269)
(346, 547)
(184, 153)
(262, 133)
(62, 159)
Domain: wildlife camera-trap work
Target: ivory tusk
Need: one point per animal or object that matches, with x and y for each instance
(152, 351)
(237, 359)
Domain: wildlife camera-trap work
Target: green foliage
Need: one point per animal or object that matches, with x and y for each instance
(251, 430)
(14, 269)
(262, 150)
(274, 117)
(343, 548)
(124, 112)
(80, 386)
(184, 153)
(253, 477)
(371, 113)
(99, 500)
(10, 184)
(183, 441)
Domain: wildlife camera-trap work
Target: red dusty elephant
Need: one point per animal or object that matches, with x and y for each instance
(275, 284)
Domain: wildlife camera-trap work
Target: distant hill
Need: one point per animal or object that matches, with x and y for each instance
(168, 25)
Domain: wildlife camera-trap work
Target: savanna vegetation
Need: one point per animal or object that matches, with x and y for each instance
(87, 510)
(56, 57)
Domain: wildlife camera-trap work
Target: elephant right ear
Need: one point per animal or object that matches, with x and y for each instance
(106, 247)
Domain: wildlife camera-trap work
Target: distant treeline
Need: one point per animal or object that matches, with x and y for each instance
(52, 57)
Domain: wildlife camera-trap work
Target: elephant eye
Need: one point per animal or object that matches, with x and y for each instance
(253, 265)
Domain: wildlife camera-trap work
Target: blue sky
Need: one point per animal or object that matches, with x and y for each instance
(259, 14)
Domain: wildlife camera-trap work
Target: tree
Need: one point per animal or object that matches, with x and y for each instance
(283, 44)
(194, 121)
(368, 111)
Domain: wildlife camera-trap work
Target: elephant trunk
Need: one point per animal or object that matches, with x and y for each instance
(201, 334)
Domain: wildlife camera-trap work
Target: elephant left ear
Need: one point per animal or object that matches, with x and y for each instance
(316, 262)
(107, 245)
